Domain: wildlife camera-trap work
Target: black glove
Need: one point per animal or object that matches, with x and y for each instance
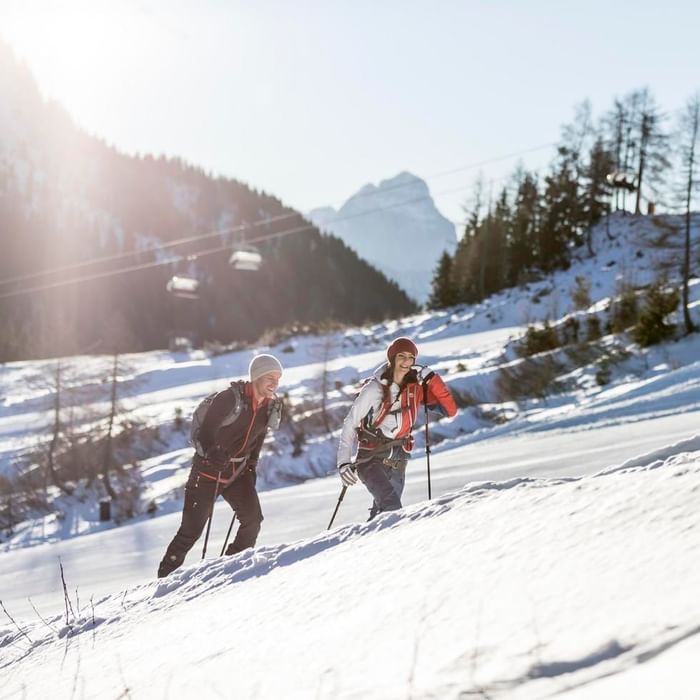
(217, 457)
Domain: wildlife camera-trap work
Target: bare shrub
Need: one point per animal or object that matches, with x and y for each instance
(463, 398)
(583, 354)
(529, 378)
(652, 328)
(537, 340)
(605, 364)
(624, 311)
(581, 293)
(569, 330)
(593, 329)
(274, 336)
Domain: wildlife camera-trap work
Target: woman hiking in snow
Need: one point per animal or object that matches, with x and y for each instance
(227, 446)
(382, 418)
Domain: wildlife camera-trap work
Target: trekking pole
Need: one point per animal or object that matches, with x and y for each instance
(427, 436)
(337, 505)
(237, 472)
(356, 464)
(228, 534)
(211, 516)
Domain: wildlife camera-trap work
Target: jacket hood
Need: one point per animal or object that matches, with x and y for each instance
(377, 374)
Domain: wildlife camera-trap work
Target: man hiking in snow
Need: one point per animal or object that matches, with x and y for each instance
(228, 444)
(382, 418)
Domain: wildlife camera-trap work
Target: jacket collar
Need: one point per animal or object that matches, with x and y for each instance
(377, 374)
(248, 389)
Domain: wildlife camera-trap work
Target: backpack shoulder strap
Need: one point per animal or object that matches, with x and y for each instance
(236, 390)
(384, 407)
(274, 413)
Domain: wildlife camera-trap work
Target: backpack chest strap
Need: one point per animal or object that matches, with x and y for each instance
(408, 409)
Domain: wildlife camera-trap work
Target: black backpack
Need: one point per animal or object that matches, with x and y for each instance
(273, 417)
(203, 408)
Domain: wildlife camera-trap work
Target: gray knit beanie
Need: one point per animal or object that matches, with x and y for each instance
(262, 364)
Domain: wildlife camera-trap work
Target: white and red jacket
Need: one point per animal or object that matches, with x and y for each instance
(394, 418)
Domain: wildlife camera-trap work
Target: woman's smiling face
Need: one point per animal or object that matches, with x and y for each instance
(403, 361)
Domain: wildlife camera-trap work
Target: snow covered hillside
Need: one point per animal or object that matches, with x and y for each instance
(525, 588)
(396, 227)
(557, 557)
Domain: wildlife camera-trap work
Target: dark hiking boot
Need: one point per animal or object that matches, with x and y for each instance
(168, 565)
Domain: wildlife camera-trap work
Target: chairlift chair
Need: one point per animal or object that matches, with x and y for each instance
(183, 287)
(245, 258)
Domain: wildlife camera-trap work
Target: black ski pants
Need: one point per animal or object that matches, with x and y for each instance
(199, 493)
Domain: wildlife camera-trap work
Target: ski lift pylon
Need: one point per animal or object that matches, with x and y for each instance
(183, 287)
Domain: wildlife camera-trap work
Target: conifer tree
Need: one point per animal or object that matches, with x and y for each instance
(614, 129)
(462, 274)
(651, 327)
(523, 227)
(617, 127)
(497, 263)
(444, 291)
(560, 214)
(596, 190)
(653, 147)
(688, 137)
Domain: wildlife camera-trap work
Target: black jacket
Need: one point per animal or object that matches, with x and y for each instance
(243, 437)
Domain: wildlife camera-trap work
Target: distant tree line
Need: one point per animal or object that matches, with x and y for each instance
(533, 224)
(67, 198)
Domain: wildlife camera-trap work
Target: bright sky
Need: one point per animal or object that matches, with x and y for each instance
(309, 100)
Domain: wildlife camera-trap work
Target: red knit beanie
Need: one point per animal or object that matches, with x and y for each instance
(402, 344)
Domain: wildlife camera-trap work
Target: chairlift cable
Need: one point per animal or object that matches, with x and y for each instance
(211, 251)
(228, 231)
(281, 217)
(243, 227)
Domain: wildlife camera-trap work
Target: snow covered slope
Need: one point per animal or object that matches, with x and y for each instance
(396, 227)
(525, 577)
(526, 588)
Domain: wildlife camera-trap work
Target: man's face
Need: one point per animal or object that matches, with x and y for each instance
(266, 385)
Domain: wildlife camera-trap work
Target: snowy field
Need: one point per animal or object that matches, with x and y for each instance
(558, 555)
(525, 588)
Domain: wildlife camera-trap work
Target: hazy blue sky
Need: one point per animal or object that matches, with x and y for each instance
(311, 99)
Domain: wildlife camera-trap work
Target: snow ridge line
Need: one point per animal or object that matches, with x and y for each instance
(186, 582)
(629, 655)
(262, 560)
(656, 458)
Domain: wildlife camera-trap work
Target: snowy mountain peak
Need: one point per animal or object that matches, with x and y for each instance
(365, 190)
(400, 211)
(405, 192)
(412, 183)
(403, 177)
